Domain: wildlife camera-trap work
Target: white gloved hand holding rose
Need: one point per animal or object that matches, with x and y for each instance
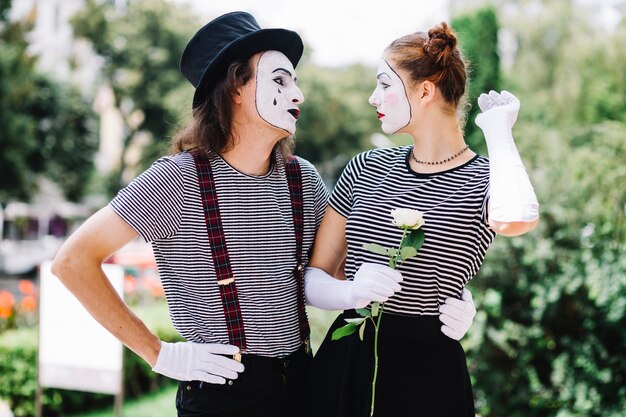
(371, 283)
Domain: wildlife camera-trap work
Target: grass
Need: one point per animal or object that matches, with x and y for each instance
(160, 404)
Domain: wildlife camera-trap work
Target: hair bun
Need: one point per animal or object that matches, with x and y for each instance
(441, 42)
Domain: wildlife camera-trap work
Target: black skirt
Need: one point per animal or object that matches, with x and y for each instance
(268, 387)
(421, 372)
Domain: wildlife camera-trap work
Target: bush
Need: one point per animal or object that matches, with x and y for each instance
(552, 304)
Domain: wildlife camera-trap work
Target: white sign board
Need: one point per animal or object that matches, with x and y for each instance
(75, 351)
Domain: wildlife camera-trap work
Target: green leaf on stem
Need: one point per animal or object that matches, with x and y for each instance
(376, 248)
(393, 252)
(407, 252)
(364, 312)
(344, 331)
(356, 320)
(415, 239)
(375, 307)
(362, 330)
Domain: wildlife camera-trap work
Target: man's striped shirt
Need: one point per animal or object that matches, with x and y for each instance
(164, 206)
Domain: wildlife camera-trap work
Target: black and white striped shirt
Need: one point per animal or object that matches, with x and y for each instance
(164, 206)
(454, 206)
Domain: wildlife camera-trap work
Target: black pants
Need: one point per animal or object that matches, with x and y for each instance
(269, 387)
(421, 372)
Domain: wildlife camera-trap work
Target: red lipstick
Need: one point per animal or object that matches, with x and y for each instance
(380, 115)
(294, 113)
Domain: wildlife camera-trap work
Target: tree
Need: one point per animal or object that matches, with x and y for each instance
(334, 123)
(17, 131)
(141, 43)
(66, 135)
(44, 126)
(478, 34)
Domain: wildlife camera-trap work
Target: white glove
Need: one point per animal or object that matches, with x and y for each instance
(372, 282)
(511, 195)
(188, 361)
(457, 315)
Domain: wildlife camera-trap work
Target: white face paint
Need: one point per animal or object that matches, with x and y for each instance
(390, 99)
(277, 95)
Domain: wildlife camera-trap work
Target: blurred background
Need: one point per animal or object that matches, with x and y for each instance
(90, 94)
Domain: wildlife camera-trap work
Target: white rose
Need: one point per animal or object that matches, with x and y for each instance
(407, 218)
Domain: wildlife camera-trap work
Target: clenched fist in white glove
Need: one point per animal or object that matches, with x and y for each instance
(457, 315)
(511, 195)
(188, 361)
(372, 282)
(505, 108)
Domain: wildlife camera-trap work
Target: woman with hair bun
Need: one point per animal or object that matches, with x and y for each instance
(465, 199)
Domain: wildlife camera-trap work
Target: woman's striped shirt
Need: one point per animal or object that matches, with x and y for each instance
(164, 206)
(454, 206)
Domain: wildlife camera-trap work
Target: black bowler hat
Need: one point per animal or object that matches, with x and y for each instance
(232, 36)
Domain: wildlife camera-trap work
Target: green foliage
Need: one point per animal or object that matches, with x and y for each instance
(141, 45)
(336, 120)
(414, 239)
(17, 129)
(5, 5)
(344, 331)
(44, 126)
(478, 39)
(17, 367)
(376, 248)
(66, 135)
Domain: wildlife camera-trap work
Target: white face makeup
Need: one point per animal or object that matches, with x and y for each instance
(277, 95)
(390, 99)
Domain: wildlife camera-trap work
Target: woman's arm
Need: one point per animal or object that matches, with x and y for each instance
(513, 208)
(330, 247)
(78, 266)
(511, 229)
(372, 282)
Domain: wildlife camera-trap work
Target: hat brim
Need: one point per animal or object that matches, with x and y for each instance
(286, 41)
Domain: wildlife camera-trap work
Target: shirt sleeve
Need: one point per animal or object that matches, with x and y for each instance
(485, 208)
(321, 198)
(486, 175)
(318, 189)
(152, 203)
(342, 198)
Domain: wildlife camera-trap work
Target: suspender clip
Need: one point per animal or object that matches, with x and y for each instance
(226, 281)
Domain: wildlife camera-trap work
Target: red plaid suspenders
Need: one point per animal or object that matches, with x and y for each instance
(219, 251)
(294, 180)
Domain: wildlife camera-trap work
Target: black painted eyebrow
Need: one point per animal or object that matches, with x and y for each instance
(381, 74)
(284, 70)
